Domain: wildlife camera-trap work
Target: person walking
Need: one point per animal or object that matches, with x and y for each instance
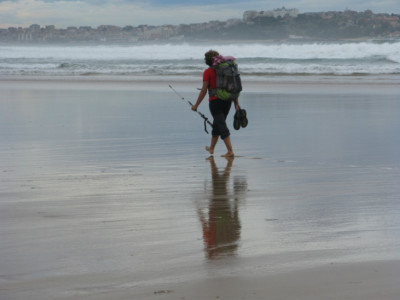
(219, 108)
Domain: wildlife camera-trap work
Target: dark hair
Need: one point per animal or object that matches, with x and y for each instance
(208, 57)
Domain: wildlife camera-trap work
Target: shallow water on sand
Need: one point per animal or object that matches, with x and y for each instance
(115, 185)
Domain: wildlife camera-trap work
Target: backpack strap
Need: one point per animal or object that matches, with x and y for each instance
(213, 92)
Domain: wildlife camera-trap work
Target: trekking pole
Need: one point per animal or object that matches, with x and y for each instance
(190, 103)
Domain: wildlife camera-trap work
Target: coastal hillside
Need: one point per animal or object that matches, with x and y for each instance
(277, 25)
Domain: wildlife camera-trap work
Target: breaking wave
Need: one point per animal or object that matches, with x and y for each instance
(256, 59)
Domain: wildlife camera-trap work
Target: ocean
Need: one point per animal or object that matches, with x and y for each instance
(255, 59)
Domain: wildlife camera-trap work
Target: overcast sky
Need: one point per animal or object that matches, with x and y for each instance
(64, 13)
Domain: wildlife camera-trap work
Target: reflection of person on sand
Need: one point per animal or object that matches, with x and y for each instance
(218, 108)
(221, 230)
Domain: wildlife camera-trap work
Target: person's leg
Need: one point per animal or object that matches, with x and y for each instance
(228, 145)
(225, 136)
(215, 111)
(214, 140)
(219, 110)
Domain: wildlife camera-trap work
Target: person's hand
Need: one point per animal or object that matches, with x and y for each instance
(194, 108)
(237, 106)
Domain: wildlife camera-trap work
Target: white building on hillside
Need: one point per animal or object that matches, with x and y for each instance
(279, 12)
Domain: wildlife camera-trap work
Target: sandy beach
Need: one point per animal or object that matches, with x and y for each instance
(106, 191)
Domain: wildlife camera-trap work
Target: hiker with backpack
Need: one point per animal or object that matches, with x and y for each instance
(222, 82)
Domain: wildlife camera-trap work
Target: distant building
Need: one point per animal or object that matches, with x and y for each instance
(232, 22)
(249, 15)
(279, 12)
(34, 27)
(85, 28)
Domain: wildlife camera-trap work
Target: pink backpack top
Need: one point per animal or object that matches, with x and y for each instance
(219, 59)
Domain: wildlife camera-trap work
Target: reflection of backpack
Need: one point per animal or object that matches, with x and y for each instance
(229, 84)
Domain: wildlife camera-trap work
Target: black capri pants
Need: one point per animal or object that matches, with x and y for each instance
(219, 110)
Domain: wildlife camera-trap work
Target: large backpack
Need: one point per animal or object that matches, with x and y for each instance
(229, 84)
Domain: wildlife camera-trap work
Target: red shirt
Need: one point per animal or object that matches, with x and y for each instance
(210, 76)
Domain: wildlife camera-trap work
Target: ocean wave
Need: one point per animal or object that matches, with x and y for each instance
(186, 59)
(196, 51)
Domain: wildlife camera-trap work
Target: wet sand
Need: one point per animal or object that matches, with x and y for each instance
(106, 192)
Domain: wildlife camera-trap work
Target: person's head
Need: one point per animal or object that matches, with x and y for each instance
(208, 57)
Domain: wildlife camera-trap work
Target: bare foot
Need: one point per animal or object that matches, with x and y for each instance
(228, 154)
(211, 151)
